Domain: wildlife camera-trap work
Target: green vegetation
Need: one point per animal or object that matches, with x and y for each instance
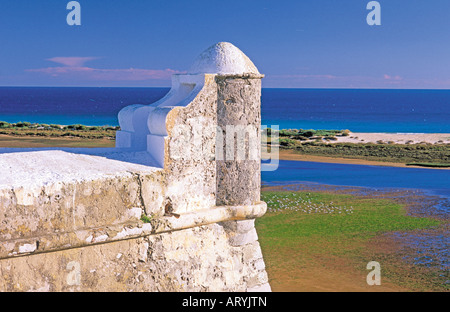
(44, 130)
(316, 142)
(401, 153)
(305, 215)
(146, 219)
(303, 229)
(292, 136)
(4, 124)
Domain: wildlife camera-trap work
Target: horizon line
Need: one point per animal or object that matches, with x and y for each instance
(168, 87)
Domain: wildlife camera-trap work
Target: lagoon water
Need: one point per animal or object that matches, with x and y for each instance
(431, 181)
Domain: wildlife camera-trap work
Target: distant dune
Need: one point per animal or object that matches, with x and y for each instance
(397, 138)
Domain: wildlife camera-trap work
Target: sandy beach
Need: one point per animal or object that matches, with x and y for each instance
(394, 138)
(292, 155)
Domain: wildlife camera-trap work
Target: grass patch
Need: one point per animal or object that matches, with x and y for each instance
(291, 137)
(319, 215)
(303, 229)
(401, 153)
(146, 219)
(25, 129)
(316, 142)
(42, 141)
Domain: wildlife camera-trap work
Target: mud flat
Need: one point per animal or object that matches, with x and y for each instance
(332, 233)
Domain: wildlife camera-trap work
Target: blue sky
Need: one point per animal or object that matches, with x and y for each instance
(301, 44)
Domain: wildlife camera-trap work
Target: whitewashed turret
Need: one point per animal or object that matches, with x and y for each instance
(209, 120)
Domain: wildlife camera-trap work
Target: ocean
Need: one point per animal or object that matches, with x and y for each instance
(404, 111)
(68, 106)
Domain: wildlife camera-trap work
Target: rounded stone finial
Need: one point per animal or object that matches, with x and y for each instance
(223, 58)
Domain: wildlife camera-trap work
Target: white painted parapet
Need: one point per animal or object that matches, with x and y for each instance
(188, 131)
(144, 127)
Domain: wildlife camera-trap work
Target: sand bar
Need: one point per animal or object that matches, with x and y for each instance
(360, 137)
(396, 138)
(292, 155)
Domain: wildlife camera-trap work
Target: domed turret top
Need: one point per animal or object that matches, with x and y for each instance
(223, 58)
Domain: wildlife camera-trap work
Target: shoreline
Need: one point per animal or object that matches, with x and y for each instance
(407, 150)
(33, 141)
(299, 148)
(285, 154)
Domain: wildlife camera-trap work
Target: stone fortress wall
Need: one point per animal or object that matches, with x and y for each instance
(171, 208)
